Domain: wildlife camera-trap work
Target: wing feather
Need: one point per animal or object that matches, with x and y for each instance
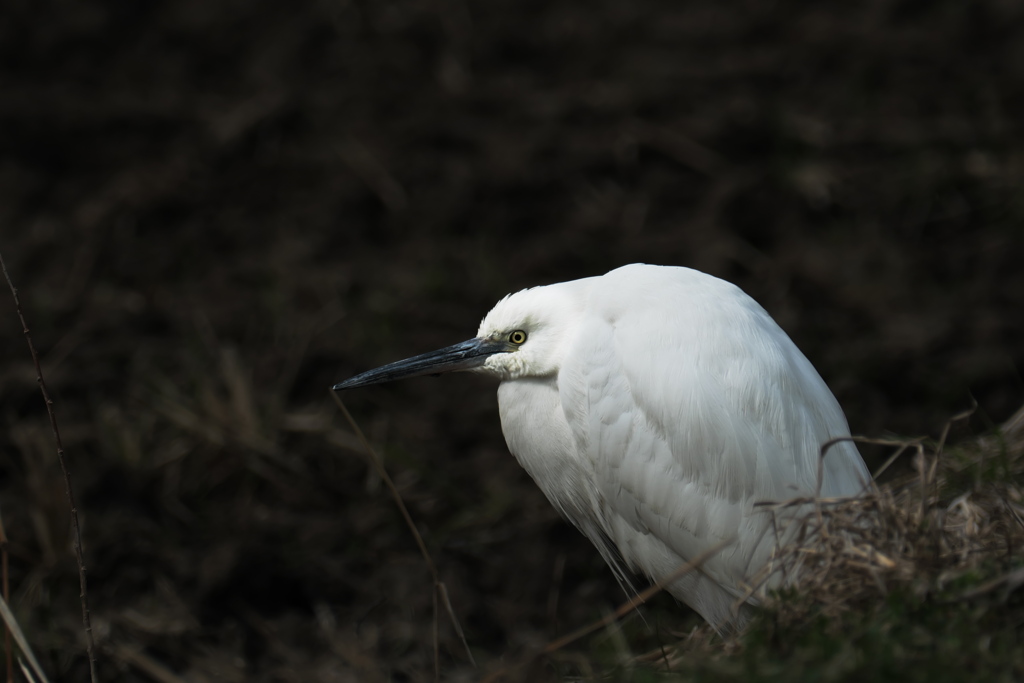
(691, 405)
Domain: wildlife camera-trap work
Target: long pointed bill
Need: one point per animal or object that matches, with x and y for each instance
(463, 356)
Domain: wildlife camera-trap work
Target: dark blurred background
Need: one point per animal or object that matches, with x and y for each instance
(215, 210)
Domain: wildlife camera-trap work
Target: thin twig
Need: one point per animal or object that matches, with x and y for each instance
(7, 599)
(623, 609)
(439, 588)
(89, 644)
(903, 444)
(949, 425)
(437, 638)
(386, 478)
(639, 599)
(443, 590)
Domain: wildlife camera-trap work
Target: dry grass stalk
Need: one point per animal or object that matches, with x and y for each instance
(84, 595)
(440, 590)
(5, 588)
(637, 600)
(19, 637)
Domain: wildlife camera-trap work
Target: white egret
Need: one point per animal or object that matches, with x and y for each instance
(654, 406)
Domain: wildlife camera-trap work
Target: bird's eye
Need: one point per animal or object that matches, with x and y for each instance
(517, 337)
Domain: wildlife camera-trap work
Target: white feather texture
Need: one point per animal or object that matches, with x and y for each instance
(654, 406)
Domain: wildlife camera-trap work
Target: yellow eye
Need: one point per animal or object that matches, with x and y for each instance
(517, 337)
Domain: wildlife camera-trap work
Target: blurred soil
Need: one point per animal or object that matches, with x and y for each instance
(214, 211)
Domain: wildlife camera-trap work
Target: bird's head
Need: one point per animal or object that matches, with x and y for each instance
(522, 336)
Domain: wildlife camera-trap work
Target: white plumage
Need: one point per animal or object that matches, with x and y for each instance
(654, 406)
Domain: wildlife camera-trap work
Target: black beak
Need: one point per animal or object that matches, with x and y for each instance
(463, 356)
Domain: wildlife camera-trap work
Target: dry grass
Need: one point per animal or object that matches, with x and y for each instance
(960, 513)
(918, 575)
